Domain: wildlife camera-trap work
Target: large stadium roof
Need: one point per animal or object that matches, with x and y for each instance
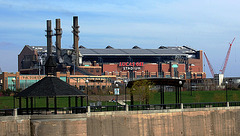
(135, 51)
(164, 51)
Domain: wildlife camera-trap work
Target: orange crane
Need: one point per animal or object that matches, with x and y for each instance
(227, 57)
(225, 62)
(209, 64)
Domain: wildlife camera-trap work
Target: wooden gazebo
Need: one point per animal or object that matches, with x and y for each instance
(49, 87)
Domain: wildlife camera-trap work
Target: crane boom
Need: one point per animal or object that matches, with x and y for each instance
(227, 57)
(209, 65)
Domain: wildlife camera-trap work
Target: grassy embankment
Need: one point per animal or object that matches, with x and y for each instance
(197, 96)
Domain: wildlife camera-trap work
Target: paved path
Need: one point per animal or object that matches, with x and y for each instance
(121, 102)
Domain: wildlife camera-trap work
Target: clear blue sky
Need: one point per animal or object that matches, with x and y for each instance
(207, 25)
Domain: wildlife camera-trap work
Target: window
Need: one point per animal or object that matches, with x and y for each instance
(153, 75)
(103, 87)
(82, 88)
(167, 76)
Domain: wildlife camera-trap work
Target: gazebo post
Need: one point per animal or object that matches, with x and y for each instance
(180, 88)
(81, 104)
(20, 105)
(76, 103)
(176, 88)
(179, 94)
(47, 105)
(31, 105)
(27, 104)
(55, 104)
(81, 101)
(14, 102)
(162, 94)
(69, 101)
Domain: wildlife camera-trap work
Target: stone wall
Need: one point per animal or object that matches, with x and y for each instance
(17, 126)
(59, 125)
(209, 121)
(204, 121)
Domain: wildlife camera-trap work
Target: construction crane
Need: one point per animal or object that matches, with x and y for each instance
(227, 57)
(225, 62)
(209, 64)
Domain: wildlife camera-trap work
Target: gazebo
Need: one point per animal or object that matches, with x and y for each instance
(177, 83)
(49, 87)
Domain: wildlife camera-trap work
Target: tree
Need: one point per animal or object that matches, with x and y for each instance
(141, 89)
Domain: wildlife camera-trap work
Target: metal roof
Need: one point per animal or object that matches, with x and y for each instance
(165, 51)
(136, 52)
(50, 86)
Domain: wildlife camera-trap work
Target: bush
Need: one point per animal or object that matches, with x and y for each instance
(7, 92)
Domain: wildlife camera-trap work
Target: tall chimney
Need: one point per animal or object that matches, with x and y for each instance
(76, 39)
(58, 34)
(49, 38)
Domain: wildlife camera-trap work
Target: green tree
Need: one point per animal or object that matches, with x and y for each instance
(141, 90)
(7, 92)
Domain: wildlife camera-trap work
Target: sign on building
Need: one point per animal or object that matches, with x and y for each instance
(116, 91)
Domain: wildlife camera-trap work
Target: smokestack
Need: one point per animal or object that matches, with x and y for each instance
(49, 38)
(58, 34)
(76, 39)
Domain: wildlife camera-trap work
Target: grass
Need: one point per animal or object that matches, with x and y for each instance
(197, 96)
(7, 102)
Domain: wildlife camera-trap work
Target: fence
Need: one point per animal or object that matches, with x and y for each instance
(76, 110)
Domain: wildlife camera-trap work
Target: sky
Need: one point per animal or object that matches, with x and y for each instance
(208, 25)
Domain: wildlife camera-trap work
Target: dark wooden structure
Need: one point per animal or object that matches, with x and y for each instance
(49, 87)
(177, 83)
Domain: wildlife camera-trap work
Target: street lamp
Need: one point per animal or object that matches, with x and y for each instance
(180, 83)
(86, 81)
(13, 80)
(116, 92)
(226, 83)
(125, 87)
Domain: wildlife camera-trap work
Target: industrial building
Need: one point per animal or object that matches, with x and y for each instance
(169, 62)
(166, 61)
(109, 63)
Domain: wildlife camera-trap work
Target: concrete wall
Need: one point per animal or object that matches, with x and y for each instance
(207, 121)
(214, 121)
(59, 125)
(15, 126)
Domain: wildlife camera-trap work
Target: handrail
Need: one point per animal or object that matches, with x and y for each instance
(77, 110)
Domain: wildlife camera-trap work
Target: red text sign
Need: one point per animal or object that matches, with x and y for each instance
(130, 64)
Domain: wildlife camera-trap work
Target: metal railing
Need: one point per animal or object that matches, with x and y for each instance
(108, 108)
(205, 105)
(77, 110)
(47, 111)
(6, 112)
(154, 107)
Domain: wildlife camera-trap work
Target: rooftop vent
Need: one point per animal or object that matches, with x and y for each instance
(136, 47)
(82, 47)
(109, 47)
(162, 47)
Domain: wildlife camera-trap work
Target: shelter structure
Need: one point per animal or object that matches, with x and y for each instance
(177, 83)
(49, 87)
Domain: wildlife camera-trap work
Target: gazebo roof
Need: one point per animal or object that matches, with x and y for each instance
(50, 86)
(160, 81)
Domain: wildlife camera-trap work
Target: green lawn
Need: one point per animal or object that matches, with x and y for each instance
(197, 96)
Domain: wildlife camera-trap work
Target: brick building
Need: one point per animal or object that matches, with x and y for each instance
(167, 62)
